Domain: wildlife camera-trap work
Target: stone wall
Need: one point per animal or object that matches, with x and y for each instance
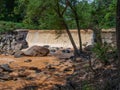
(10, 42)
(109, 36)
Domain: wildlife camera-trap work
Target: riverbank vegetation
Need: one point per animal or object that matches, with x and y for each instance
(24, 13)
(101, 64)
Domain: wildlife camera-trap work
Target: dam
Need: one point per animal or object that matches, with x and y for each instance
(49, 37)
(22, 39)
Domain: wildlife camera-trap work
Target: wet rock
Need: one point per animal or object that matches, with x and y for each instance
(50, 67)
(23, 74)
(64, 56)
(46, 46)
(14, 74)
(1, 70)
(18, 47)
(73, 58)
(36, 51)
(66, 51)
(18, 54)
(89, 48)
(33, 68)
(28, 60)
(78, 59)
(37, 70)
(12, 41)
(6, 67)
(5, 77)
(52, 51)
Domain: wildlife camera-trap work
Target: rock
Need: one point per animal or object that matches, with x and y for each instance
(78, 59)
(46, 46)
(49, 66)
(18, 47)
(52, 51)
(1, 70)
(66, 51)
(6, 67)
(73, 58)
(89, 48)
(14, 74)
(18, 54)
(37, 51)
(33, 68)
(24, 44)
(23, 74)
(12, 41)
(5, 77)
(28, 60)
(37, 70)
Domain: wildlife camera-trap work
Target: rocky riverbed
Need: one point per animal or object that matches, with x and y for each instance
(51, 68)
(33, 73)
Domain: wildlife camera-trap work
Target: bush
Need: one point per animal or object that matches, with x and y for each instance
(102, 52)
(10, 26)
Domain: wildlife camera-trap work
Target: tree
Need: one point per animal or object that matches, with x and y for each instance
(42, 10)
(7, 10)
(20, 10)
(102, 16)
(118, 29)
(60, 14)
(72, 5)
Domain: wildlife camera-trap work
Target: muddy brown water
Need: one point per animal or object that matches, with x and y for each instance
(46, 81)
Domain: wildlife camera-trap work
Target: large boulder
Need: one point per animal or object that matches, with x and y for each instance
(18, 54)
(37, 51)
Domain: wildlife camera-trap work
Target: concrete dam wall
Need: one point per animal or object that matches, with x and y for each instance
(49, 37)
(10, 42)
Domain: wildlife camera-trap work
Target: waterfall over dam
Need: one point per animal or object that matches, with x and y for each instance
(49, 37)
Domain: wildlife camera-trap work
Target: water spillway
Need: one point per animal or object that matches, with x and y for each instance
(49, 37)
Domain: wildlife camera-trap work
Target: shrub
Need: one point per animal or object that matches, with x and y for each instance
(10, 26)
(102, 52)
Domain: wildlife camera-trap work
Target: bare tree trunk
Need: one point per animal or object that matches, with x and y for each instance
(97, 37)
(77, 23)
(71, 39)
(76, 53)
(79, 35)
(118, 30)
(64, 24)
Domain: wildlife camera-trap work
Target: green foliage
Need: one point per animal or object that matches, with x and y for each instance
(6, 26)
(103, 13)
(10, 26)
(87, 86)
(101, 52)
(99, 13)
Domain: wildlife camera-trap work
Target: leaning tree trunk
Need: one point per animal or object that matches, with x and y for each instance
(77, 23)
(64, 24)
(118, 30)
(79, 34)
(71, 38)
(76, 53)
